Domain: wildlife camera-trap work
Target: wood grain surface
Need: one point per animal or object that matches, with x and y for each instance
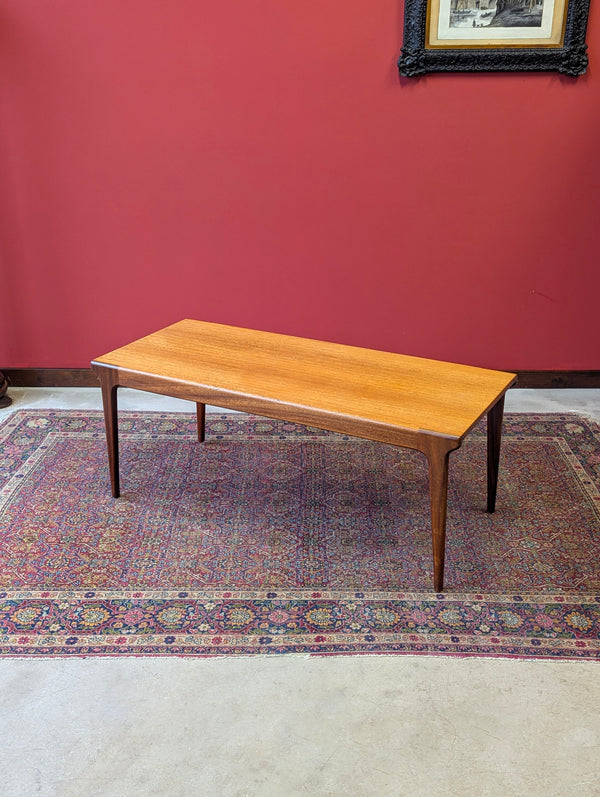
(394, 390)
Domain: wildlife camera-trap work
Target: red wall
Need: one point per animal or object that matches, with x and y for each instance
(260, 163)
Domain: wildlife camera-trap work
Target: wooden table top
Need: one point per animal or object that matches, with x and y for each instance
(395, 390)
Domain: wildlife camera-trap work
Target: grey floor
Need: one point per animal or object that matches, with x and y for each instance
(295, 725)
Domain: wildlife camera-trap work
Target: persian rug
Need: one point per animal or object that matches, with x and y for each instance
(272, 538)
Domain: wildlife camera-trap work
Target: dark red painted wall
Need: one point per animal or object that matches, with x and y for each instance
(260, 163)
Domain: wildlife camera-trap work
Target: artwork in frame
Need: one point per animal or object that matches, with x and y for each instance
(494, 35)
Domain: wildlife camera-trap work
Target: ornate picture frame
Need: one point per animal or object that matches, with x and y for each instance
(494, 35)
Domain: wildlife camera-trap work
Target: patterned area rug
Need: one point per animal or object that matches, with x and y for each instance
(275, 538)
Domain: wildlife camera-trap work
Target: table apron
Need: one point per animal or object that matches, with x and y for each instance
(419, 440)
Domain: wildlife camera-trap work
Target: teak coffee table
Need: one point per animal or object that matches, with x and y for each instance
(405, 401)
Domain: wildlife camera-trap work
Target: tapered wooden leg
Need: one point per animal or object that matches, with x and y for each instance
(109, 403)
(201, 414)
(438, 491)
(494, 437)
(438, 451)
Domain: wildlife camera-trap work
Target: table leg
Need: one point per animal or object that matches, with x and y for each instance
(201, 415)
(437, 451)
(109, 402)
(494, 437)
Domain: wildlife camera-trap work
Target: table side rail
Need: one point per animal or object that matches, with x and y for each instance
(272, 408)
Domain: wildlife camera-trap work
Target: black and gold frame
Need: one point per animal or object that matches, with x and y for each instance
(494, 35)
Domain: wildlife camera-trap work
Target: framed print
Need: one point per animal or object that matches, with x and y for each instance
(494, 35)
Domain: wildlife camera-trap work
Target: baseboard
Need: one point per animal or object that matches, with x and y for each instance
(558, 379)
(51, 377)
(83, 377)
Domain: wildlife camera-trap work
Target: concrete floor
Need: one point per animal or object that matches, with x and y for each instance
(294, 725)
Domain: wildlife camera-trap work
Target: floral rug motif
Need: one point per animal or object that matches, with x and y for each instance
(274, 538)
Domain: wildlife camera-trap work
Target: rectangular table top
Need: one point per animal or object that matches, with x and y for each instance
(392, 390)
